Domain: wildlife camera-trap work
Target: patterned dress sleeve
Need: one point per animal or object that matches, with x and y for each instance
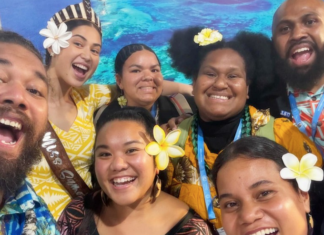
(72, 217)
(195, 226)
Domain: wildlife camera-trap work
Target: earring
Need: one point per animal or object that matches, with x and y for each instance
(104, 198)
(52, 54)
(122, 101)
(156, 188)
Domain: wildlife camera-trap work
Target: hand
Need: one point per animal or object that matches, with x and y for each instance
(174, 122)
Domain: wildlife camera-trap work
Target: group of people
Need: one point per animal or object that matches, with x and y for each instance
(242, 154)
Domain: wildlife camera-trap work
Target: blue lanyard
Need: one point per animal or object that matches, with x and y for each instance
(202, 170)
(153, 110)
(299, 123)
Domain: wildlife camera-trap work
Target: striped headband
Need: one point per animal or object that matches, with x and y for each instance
(80, 11)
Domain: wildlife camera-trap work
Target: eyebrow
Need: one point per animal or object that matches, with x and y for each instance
(139, 66)
(253, 186)
(288, 21)
(37, 73)
(84, 39)
(103, 146)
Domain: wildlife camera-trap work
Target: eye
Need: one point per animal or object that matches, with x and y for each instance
(135, 71)
(104, 154)
(97, 52)
(209, 74)
(310, 22)
(130, 151)
(155, 70)
(77, 44)
(232, 76)
(265, 194)
(230, 205)
(284, 29)
(35, 92)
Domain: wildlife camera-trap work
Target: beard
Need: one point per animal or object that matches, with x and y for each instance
(301, 78)
(13, 170)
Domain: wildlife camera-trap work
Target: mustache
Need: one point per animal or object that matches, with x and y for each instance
(313, 45)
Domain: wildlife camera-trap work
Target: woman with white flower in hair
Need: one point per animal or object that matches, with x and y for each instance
(224, 89)
(263, 189)
(130, 151)
(73, 44)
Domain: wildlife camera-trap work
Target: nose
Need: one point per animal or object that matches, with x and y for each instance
(249, 213)
(118, 163)
(86, 54)
(14, 94)
(298, 33)
(148, 75)
(220, 82)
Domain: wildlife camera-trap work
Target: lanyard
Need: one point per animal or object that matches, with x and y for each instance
(299, 122)
(202, 169)
(153, 110)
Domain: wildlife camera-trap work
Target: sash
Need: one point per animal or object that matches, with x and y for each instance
(60, 164)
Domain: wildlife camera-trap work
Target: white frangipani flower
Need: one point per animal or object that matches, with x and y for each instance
(304, 171)
(56, 37)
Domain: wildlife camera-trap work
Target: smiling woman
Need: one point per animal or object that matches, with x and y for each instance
(127, 197)
(254, 196)
(223, 74)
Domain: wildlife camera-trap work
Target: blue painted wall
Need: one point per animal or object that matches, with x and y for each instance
(142, 21)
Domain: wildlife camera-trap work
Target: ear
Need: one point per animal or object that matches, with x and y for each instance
(247, 92)
(118, 79)
(304, 197)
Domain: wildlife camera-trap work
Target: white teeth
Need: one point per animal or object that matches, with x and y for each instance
(265, 231)
(301, 50)
(123, 180)
(10, 143)
(219, 97)
(6, 122)
(81, 66)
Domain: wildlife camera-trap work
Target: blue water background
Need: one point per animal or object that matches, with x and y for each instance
(142, 21)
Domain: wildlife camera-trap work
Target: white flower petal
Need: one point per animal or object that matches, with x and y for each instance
(62, 29)
(158, 134)
(304, 184)
(173, 137)
(66, 36)
(46, 33)
(314, 173)
(52, 27)
(48, 42)
(308, 161)
(63, 43)
(153, 148)
(162, 160)
(287, 174)
(56, 48)
(175, 151)
(291, 161)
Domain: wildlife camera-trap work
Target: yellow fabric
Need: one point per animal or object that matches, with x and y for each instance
(186, 183)
(78, 143)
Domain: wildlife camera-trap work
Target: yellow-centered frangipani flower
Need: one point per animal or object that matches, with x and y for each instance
(304, 171)
(122, 101)
(164, 147)
(208, 36)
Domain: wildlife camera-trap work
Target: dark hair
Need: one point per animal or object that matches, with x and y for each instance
(15, 38)
(252, 147)
(254, 48)
(126, 52)
(93, 201)
(72, 24)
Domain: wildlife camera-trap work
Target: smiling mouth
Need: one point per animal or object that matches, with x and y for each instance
(221, 97)
(80, 68)
(268, 231)
(10, 131)
(122, 181)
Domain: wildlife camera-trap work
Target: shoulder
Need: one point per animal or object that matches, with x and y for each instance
(94, 92)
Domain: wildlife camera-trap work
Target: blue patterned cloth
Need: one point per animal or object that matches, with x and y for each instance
(26, 205)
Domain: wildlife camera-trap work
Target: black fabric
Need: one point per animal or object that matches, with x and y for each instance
(176, 228)
(219, 134)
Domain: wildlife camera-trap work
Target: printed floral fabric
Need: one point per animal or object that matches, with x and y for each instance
(78, 143)
(26, 213)
(72, 217)
(307, 103)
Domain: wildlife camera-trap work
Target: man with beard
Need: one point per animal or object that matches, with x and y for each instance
(23, 118)
(298, 38)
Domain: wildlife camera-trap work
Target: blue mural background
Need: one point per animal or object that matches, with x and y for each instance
(142, 21)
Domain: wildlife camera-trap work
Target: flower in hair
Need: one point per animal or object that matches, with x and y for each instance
(208, 36)
(304, 171)
(163, 147)
(56, 37)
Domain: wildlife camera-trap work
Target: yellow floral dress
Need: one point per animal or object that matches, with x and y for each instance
(184, 179)
(78, 143)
